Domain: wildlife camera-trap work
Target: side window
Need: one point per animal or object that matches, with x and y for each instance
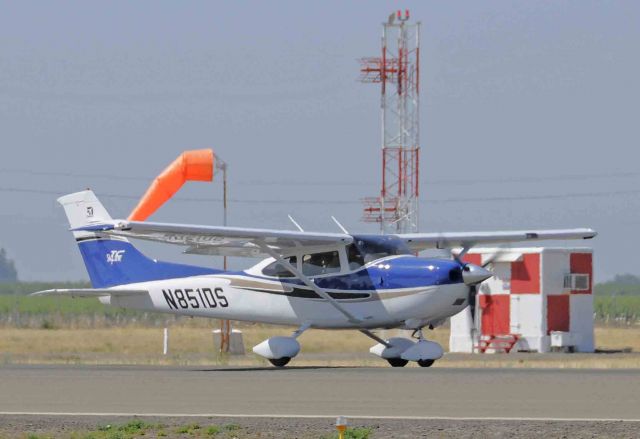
(354, 257)
(276, 269)
(321, 263)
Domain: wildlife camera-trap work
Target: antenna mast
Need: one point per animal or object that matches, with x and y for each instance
(398, 73)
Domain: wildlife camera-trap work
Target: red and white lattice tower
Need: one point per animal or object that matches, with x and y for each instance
(398, 73)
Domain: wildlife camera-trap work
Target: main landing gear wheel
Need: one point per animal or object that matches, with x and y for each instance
(280, 362)
(425, 363)
(397, 362)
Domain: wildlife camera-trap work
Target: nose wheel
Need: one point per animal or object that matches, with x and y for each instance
(424, 352)
(280, 362)
(398, 351)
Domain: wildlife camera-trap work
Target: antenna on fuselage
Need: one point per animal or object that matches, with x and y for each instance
(295, 223)
(339, 225)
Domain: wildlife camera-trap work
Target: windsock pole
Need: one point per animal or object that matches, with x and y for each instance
(225, 325)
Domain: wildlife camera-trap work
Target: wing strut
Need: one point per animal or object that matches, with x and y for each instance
(308, 282)
(375, 337)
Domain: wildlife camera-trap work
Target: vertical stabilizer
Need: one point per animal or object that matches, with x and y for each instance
(83, 208)
(112, 261)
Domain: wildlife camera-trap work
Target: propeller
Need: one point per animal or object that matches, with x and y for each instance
(472, 275)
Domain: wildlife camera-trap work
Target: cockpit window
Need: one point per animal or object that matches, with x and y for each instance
(321, 263)
(368, 248)
(276, 269)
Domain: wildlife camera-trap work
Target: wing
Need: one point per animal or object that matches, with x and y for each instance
(233, 241)
(90, 292)
(422, 241)
(213, 240)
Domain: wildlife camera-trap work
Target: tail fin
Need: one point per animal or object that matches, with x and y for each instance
(112, 261)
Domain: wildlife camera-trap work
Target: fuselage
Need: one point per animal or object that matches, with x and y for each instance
(394, 291)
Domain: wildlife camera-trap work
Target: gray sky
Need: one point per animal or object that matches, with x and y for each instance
(528, 100)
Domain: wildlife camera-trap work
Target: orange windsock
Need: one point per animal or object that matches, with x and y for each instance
(194, 165)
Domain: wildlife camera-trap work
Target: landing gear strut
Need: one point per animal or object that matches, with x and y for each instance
(424, 352)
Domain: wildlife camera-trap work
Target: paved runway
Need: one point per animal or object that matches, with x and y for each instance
(375, 392)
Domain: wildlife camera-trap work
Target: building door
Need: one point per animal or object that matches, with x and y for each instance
(495, 310)
(526, 310)
(558, 313)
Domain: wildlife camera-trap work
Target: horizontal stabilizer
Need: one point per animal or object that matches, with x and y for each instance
(90, 292)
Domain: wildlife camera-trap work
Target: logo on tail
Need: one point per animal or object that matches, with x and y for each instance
(115, 256)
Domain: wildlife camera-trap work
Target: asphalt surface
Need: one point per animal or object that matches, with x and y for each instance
(293, 392)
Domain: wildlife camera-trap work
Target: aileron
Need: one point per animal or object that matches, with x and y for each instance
(422, 241)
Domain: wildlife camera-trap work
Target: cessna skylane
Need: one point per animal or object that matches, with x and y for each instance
(308, 280)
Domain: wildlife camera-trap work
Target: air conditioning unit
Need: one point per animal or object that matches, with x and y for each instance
(576, 282)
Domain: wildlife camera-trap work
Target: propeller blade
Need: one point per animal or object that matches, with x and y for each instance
(458, 256)
(473, 292)
(494, 256)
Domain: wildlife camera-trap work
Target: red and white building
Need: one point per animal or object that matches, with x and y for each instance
(540, 299)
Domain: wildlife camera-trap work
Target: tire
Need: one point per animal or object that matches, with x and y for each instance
(397, 362)
(425, 363)
(280, 362)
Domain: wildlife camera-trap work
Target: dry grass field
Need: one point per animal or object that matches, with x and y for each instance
(194, 345)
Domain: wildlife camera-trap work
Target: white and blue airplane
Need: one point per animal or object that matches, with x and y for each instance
(309, 280)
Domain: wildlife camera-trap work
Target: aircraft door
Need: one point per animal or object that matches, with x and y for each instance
(382, 279)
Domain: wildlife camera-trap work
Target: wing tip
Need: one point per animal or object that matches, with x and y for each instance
(42, 293)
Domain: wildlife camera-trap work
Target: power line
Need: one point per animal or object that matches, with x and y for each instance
(536, 179)
(333, 182)
(348, 202)
(73, 174)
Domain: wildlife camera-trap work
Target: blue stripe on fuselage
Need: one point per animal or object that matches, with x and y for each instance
(402, 272)
(112, 262)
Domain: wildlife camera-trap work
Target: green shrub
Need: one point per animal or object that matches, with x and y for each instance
(188, 429)
(212, 430)
(134, 426)
(617, 308)
(231, 427)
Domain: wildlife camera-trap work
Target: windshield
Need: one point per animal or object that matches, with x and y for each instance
(276, 269)
(367, 248)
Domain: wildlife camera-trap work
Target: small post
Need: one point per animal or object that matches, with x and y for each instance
(165, 343)
(341, 426)
(225, 335)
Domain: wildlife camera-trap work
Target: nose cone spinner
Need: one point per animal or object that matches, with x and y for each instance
(474, 274)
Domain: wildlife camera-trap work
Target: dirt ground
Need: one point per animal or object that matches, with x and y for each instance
(304, 428)
(194, 345)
